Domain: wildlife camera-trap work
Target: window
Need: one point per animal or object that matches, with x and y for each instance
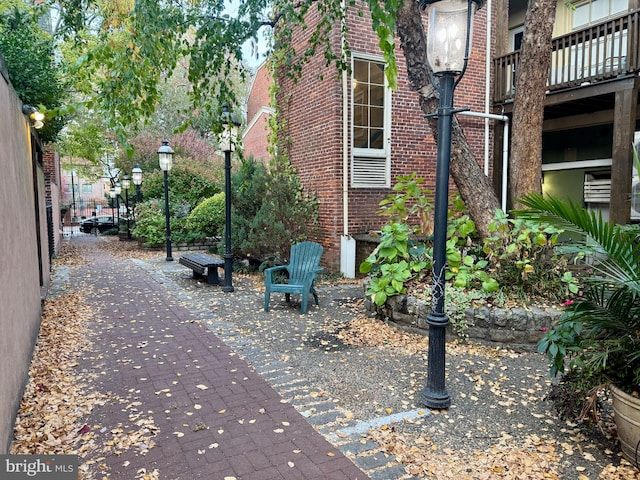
(602, 52)
(515, 37)
(592, 11)
(370, 120)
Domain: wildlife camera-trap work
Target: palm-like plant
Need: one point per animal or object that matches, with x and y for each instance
(600, 332)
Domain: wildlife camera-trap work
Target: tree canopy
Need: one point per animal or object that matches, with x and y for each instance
(120, 53)
(123, 51)
(29, 53)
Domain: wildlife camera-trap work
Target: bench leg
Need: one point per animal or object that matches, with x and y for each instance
(212, 276)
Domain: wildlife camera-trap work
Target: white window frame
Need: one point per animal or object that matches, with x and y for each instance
(592, 20)
(362, 176)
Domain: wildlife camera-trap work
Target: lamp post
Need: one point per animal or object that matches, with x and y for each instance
(230, 124)
(136, 178)
(112, 195)
(126, 184)
(73, 196)
(118, 190)
(165, 158)
(448, 45)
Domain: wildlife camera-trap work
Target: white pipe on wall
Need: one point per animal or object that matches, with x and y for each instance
(487, 83)
(347, 243)
(505, 148)
(345, 125)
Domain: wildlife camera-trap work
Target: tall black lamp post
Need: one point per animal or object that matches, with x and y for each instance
(118, 190)
(126, 184)
(230, 124)
(448, 46)
(165, 158)
(136, 178)
(112, 196)
(73, 196)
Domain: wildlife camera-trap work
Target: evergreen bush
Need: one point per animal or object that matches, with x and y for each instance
(270, 211)
(185, 183)
(207, 219)
(150, 224)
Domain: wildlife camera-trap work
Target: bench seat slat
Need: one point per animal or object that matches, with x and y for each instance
(199, 261)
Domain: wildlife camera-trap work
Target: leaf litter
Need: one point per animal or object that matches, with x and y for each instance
(427, 453)
(421, 449)
(59, 395)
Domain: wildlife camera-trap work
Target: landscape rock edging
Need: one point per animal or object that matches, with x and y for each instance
(513, 326)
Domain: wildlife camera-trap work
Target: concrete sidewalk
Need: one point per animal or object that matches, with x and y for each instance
(204, 411)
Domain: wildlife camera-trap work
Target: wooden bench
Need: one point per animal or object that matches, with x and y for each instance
(199, 261)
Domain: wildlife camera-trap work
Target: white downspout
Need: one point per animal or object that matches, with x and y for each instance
(487, 84)
(345, 130)
(505, 163)
(505, 148)
(347, 243)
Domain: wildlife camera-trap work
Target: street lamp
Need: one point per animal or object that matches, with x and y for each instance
(73, 196)
(126, 184)
(230, 124)
(165, 158)
(112, 195)
(448, 46)
(118, 190)
(136, 178)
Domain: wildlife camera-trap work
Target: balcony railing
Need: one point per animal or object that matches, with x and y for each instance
(599, 52)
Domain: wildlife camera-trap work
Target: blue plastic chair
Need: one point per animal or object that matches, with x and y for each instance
(303, 267)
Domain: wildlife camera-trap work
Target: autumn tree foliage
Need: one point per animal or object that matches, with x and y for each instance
(134, 46)
(29, 54)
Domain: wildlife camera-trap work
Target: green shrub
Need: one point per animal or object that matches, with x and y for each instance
(150, 223)
(270, 211)
(207, 219)
(523, 258)
(185, 183)
(394, 262)
(519, 259)
(410, 204)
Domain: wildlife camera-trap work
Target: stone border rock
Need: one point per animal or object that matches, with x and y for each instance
(515, 327)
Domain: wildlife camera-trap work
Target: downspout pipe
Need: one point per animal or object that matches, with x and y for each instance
(505, 148)
(345, 129)
(487, 82)
(347, 242)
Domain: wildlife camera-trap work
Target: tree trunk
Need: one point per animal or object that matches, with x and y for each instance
(473, 185)
(528, 104)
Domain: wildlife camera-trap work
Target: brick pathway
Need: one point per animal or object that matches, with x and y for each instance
(201, 409)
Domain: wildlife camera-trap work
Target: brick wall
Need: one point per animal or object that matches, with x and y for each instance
(254, 138)
(312, 111)
(52, 179)
(259, 92)
(24, 272)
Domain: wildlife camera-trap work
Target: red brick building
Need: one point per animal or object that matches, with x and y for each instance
(350, 136)
(254, 137)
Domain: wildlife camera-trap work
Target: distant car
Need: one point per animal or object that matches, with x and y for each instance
(102, 223)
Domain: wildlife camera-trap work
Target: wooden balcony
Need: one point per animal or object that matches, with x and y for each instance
(606, 51)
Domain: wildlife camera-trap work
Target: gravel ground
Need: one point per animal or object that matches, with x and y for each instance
(498, 426)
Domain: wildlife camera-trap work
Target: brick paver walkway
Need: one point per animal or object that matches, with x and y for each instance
(203, 411)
